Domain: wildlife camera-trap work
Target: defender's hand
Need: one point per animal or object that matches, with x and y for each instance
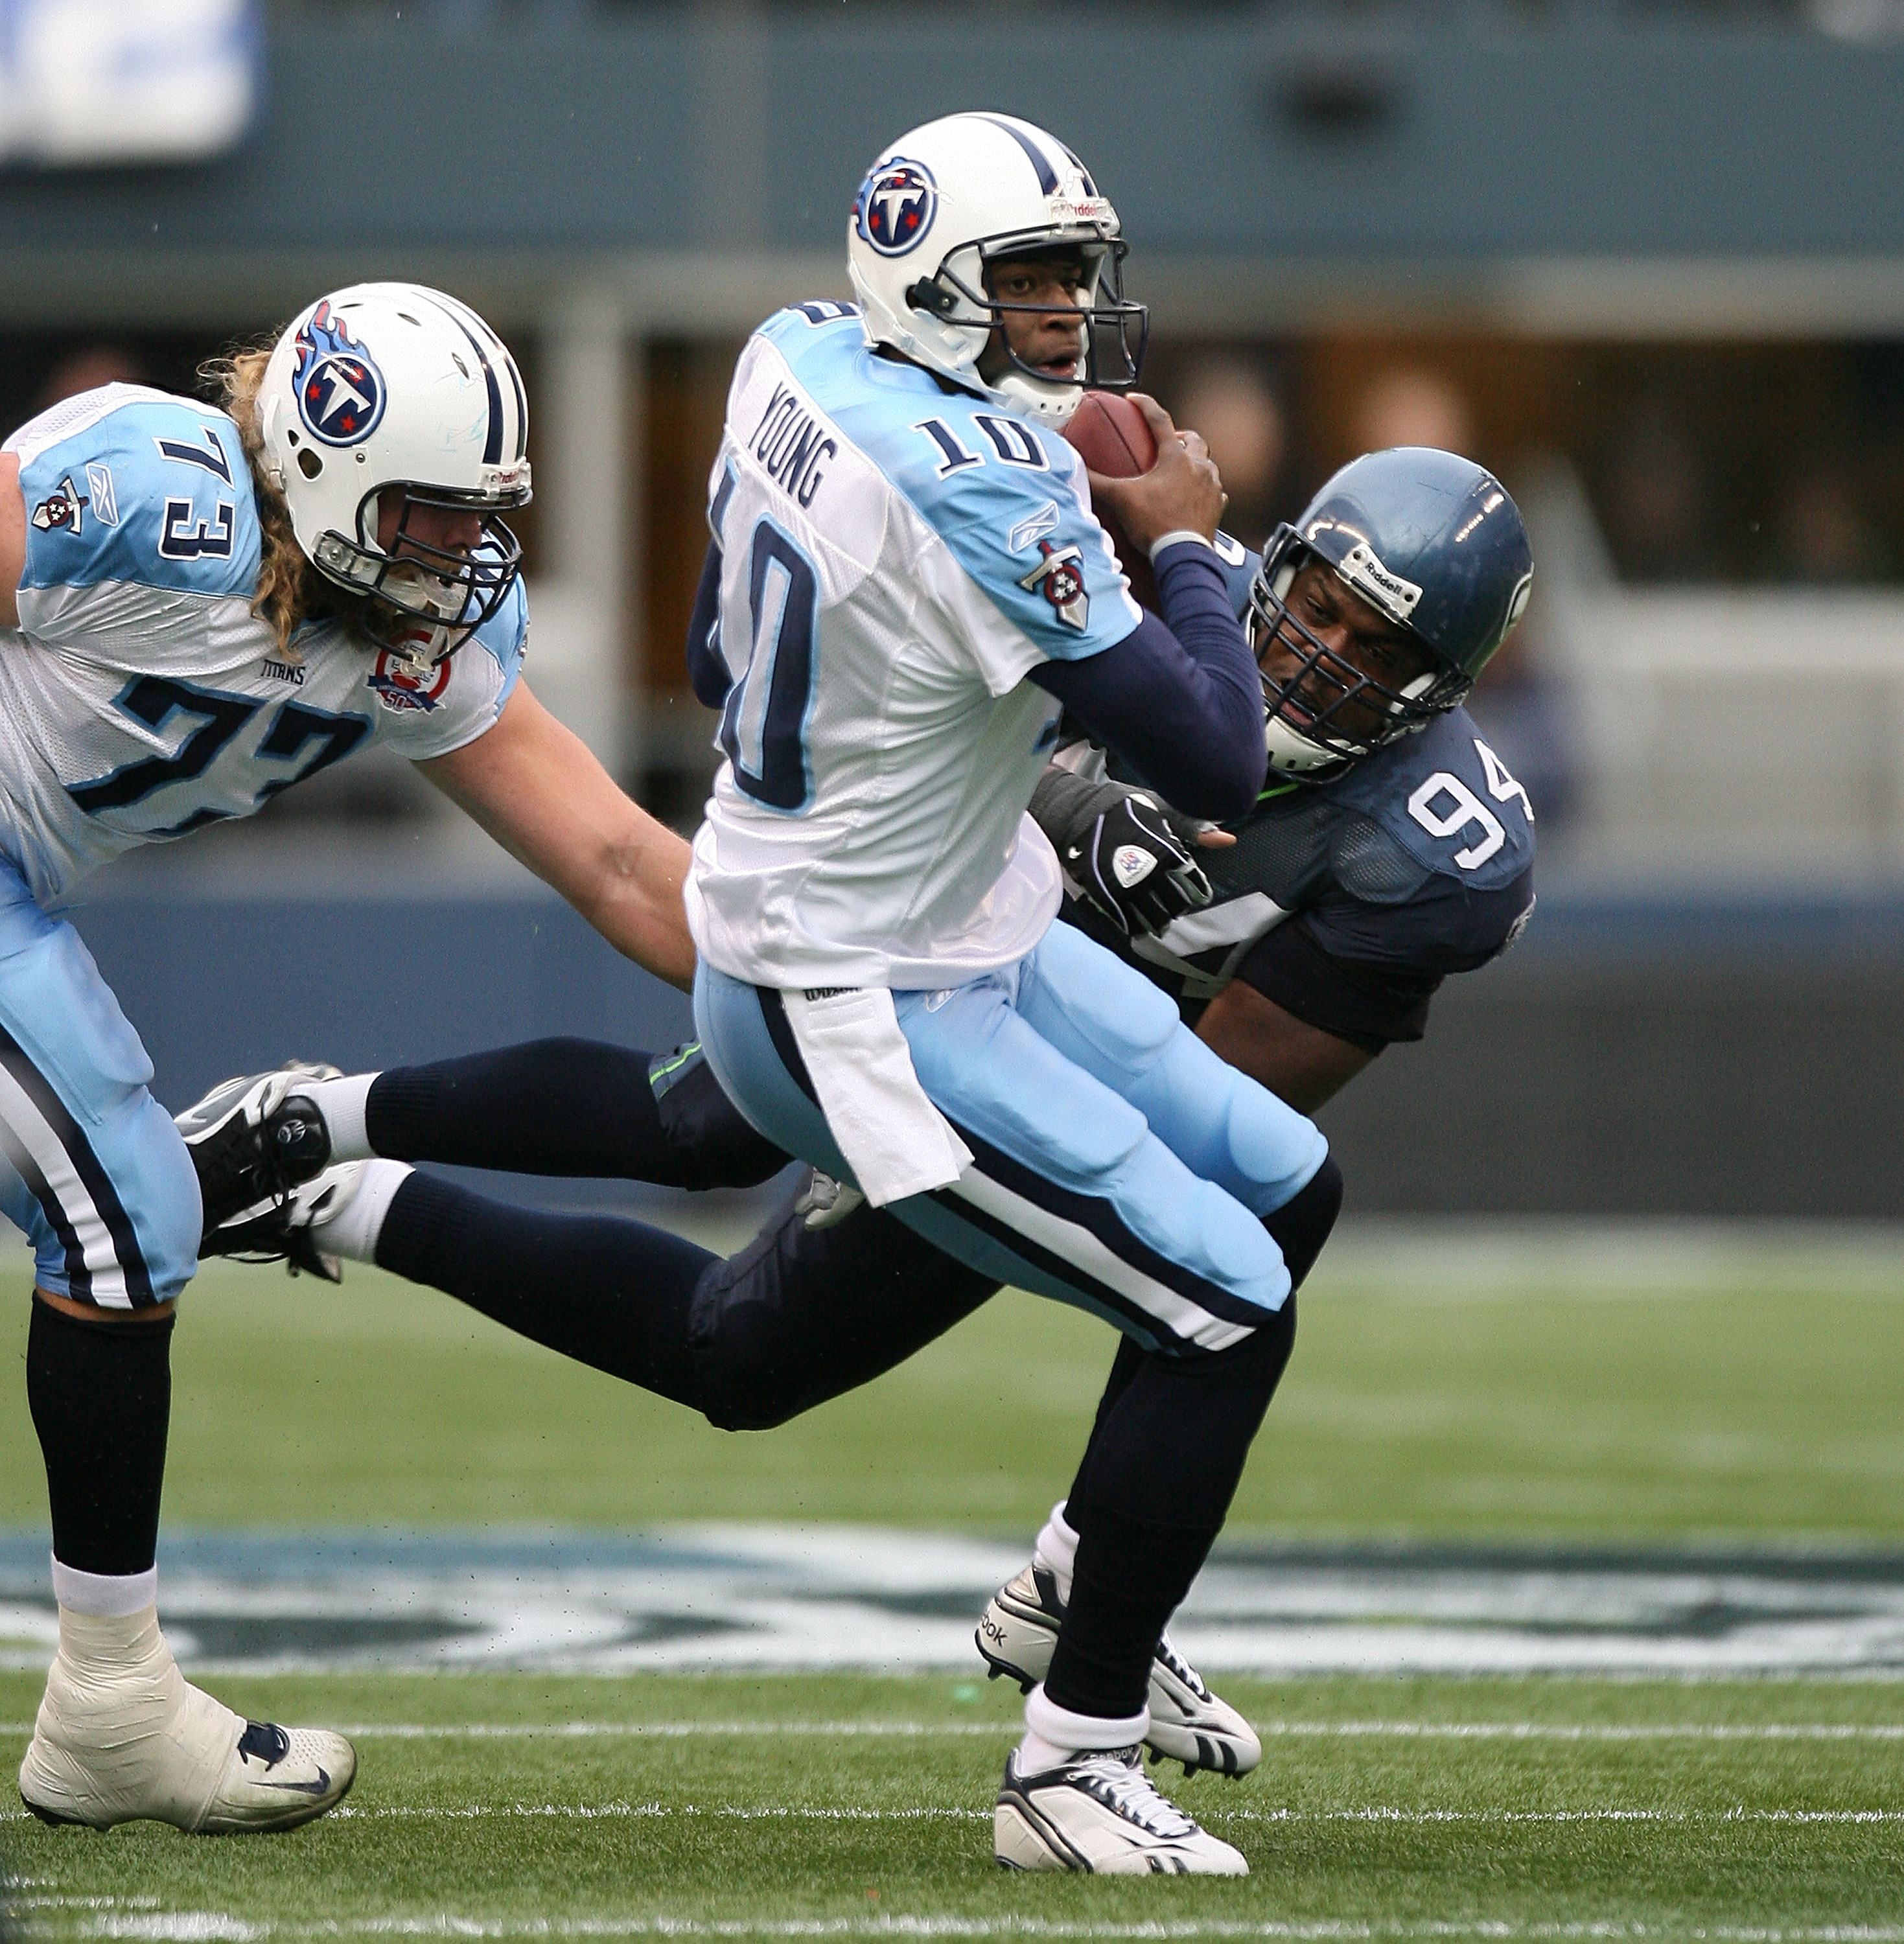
(1134, 867)
(1182, 493)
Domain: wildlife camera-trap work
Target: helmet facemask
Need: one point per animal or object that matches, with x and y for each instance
(421, 599)
(1326, 709)
(1113, 331)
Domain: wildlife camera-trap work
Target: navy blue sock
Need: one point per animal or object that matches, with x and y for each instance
(101, 1398)
(571, 1107)
(607, 1290)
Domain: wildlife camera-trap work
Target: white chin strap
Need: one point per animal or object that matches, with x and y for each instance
(1044, 399)
(1293, 753)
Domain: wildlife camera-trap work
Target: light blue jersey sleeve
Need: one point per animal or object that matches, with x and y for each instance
(504, 638)
(154, 492)
(1010, 500)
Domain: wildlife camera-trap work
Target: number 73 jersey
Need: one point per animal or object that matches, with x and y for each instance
(141, 700)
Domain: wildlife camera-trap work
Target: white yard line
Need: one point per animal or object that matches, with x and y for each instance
(212, 1926)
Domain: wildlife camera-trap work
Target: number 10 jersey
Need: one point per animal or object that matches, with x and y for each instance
(897, 555)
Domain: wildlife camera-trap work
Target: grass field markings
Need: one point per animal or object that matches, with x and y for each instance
(189, 1927)
(423, 1731)
(1529, 1731)
(788, 1811)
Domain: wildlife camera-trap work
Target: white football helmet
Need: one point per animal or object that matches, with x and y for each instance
(942, 202)
(386, 388)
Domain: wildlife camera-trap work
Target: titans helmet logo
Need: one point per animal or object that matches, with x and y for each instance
(340, 391)
(896, 205)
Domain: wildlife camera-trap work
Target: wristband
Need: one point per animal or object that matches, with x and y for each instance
(1183, 536)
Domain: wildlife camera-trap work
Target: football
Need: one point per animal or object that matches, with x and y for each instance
(1112, 436)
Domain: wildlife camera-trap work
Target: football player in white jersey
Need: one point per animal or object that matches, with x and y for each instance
(911, 585)
(198, 607)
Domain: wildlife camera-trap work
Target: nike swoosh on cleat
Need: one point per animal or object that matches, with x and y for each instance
(316, 1788)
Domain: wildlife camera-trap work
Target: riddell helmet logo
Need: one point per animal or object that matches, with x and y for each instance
(340, 391)
(896, 205)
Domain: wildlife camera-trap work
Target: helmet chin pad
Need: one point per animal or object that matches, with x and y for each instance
(1293, 753)
(423, 601)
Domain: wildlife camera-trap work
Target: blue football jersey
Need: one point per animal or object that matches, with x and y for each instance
(1418, 860)
(141, 699)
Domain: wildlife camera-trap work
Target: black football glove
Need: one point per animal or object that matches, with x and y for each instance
(1128, 855)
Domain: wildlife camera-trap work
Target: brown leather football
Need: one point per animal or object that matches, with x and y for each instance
(1112, 436)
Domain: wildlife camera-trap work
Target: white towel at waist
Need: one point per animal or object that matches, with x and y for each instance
(895, 1140)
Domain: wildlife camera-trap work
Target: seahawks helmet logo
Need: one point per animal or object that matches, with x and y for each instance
(896, 205)
(340, 392)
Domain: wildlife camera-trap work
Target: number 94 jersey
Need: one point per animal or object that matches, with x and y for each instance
(141, 698)
(1413, 863)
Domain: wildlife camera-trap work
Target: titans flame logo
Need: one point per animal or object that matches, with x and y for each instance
(340, 391)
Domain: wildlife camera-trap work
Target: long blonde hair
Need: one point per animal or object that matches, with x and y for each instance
(289, 589)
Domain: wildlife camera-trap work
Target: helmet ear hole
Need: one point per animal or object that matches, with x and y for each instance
(308, 463)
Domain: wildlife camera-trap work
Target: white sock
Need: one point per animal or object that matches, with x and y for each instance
(342, 1102)
(1054, 1736)
(1057, 1550)
(106, 1596)
(352, 1232)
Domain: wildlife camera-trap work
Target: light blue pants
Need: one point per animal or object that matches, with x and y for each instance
(1119, 1164)
(91, 1167)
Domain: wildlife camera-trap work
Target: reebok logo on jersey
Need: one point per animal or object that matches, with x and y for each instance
(1129, 865)
(1059, 577)
(1033, 527)
(63, 510)
(104, 502)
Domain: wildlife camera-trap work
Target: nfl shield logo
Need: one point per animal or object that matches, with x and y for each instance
(896, 205)
(340, 391)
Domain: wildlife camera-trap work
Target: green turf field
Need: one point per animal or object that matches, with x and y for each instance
(1574, 1389)
(1762, 1811)
(1560, 1389)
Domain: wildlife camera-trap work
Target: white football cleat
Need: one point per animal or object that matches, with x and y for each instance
(1019, 1630)
(122, 1736)
(1099, 1814)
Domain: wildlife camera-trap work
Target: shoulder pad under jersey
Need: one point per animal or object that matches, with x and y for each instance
(128, 485)
(1442, 799)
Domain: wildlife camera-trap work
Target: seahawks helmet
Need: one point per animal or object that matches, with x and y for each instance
(966, 190)
(388, 390)
(1433, 543)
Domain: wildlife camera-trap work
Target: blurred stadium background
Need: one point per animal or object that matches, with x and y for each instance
(1621, 1264)
(1646, 261)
